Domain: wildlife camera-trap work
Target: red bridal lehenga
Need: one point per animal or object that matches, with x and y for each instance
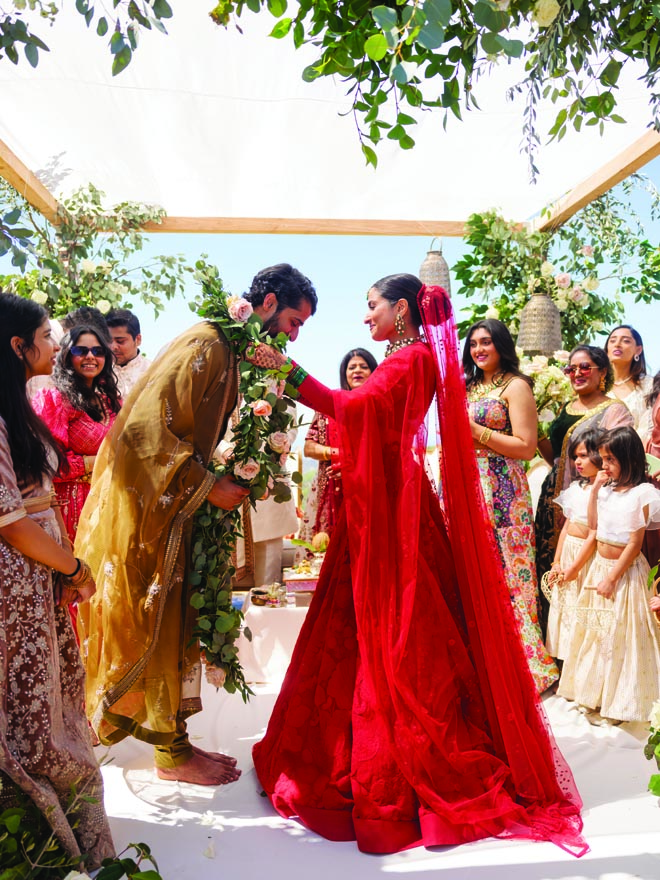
(408, 715)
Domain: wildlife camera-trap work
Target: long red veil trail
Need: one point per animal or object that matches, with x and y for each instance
(518, 723)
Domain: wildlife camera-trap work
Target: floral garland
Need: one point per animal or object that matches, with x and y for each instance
(257, 459)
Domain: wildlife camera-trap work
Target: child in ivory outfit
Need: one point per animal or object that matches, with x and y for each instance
(613, 664)
(576, 545)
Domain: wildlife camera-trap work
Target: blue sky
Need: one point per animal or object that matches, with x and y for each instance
(342, 269)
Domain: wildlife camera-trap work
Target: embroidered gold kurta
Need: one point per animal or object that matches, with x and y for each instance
(150, 477)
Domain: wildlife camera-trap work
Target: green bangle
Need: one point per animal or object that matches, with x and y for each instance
(297, 375)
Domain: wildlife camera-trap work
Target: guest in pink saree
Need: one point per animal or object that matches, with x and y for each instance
(79, 410)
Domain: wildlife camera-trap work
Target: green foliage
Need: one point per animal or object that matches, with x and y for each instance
(29, 849)
(15, 239)
(603, 243)
(420, 54)
(128, 18)
(89, 258)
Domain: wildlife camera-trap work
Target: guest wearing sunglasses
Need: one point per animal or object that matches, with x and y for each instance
(591, 377)
(79, 410)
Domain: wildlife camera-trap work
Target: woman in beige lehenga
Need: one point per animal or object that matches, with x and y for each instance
(45, 747)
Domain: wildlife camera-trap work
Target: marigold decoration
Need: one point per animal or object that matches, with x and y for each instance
(258, 461)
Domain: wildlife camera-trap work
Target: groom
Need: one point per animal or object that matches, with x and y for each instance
(143, 672)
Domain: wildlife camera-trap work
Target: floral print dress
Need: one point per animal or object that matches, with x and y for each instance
(506, 491)
(45, 746)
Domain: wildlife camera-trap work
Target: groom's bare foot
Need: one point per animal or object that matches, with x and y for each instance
(216, 756)
(200, 770)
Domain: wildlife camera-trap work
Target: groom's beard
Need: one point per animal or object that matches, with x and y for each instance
(272, 325)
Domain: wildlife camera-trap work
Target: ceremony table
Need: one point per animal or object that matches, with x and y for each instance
(274, 632)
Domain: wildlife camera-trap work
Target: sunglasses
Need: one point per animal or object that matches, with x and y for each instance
(581, 369)
(82, 351)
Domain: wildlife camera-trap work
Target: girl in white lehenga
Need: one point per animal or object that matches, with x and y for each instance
(576, 545)
(613, 664)
(45, 747)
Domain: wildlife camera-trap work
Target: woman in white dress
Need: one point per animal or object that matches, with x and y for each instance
(613, 664)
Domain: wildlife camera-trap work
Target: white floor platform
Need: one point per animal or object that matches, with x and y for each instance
(231, 832)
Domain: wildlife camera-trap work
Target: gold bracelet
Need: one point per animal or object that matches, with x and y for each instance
(484, 437)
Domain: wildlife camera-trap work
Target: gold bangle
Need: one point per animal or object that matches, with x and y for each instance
(484, 437)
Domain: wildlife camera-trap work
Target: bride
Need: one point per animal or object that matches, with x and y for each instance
(408, 715)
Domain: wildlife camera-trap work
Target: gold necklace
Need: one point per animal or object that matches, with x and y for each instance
(482, 389)
(623, 381)
(401, 343)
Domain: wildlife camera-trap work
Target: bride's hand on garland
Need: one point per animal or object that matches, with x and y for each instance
(227, 494)
(265, 356)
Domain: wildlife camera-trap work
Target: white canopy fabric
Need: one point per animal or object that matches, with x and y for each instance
(207, 122)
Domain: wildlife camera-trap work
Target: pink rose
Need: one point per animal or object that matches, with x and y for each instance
(248, 470)
(239, 309)
(261, 407)
(576, 294)
(215, 675)
(279, 441)
(586, 251)
(563, 280)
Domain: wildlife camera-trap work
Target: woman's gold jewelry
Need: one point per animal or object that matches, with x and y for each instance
(401, 343)
(484, 437)
(483, 389)
(399, 324)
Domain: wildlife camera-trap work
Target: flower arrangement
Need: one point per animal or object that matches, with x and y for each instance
(257, 459)
(598, 259)
(652, 747)
(552, 389)
(91, 258)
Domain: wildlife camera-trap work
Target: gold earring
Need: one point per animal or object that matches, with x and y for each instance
(602, 383)
(399, 324)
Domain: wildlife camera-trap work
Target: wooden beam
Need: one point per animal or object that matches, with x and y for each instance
(295, 226)
(27, 184)
(626, 163)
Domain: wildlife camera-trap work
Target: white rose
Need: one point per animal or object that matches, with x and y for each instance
(103, 306)
(492, 312)
(562, 302)
(591, 284)
(76, 875)
(547, 269)
(248, 470)
(239, 309)
(546, 415)
(279, 441)
(88, 267)
(654, 717)
(545, 12)
(39, 297)
(597, 326)
(561, 355)
(105, 267)
(540, 362)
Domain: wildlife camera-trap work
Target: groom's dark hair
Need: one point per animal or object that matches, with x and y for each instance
(288, 284)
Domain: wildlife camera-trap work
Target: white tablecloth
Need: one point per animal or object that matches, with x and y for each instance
(274, 633)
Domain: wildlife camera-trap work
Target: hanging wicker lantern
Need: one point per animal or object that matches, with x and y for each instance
(540, 326)
(434, 269)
